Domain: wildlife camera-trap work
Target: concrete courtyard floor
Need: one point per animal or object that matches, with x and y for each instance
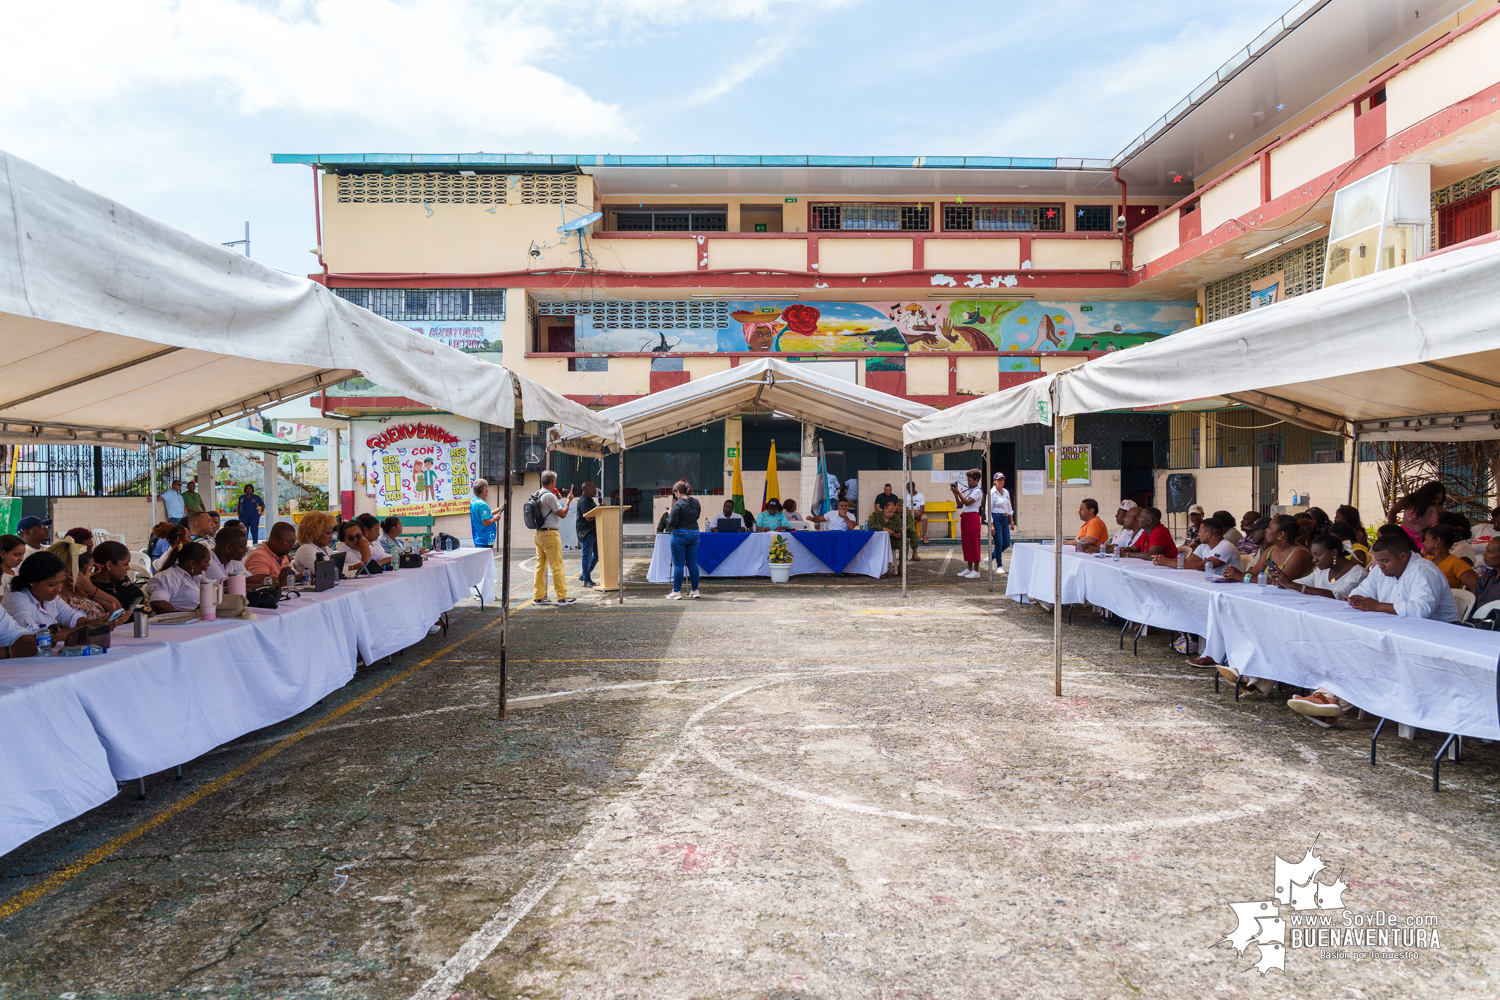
(773, 793)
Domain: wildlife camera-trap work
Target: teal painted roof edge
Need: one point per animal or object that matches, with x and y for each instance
(491, 160)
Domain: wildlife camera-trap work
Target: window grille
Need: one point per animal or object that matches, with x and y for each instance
(412, 304)
(1003, 218)
(896, 218)
(1094, 219)
(676, 220)
(618, 314)
(1303, 269)
(457, 189)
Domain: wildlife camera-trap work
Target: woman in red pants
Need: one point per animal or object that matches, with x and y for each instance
(970, 524)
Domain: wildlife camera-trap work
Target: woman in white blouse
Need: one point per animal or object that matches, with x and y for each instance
(314, 536)
(34, 600)
(175, 588)
(12, 551)
(1334, 573)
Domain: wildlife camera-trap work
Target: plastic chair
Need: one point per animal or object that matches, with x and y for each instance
(943, 512)
(1484, 611)
(140, 564)
(100, 535)
(1465, 601)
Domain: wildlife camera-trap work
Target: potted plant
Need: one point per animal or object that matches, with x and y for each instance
(781, 559)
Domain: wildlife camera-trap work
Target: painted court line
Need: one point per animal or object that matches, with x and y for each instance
(26, 897)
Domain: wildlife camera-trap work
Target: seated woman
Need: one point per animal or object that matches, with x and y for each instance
(1437, 547)
(172, 538)
(793, 519)
(1463, 535)
(175, 588)
(1357, 539)
(360, 558)
(1334, 574)
(314, 535)
(772, 518)
(12, 551)
(34, 600)
(80, 591)
(1279, 551)
(112, 573)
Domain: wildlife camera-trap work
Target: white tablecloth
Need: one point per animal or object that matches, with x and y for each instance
(1030, 575)
(1134, 589)
(1412, 670)
(70, 727)
(752, 558)
(52, 767)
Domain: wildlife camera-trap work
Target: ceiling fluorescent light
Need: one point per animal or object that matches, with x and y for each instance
(1285, 240)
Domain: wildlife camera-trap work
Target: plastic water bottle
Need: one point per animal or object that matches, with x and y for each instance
(1260, 581)
(1208, 571)
(1117, 553)
(1181, 559)
(44, 641)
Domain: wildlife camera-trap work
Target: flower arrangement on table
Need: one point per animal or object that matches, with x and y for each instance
(779, 552)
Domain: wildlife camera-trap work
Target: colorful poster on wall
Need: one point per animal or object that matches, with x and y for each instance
(1267, 291)
(469, 336)
(909, 326)
(420, 467)
(1077, 465)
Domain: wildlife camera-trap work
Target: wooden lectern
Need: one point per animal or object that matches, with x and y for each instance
(607, 535)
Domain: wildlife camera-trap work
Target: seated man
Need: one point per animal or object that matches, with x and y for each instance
(1403, 583)
(772, 518)
(917, 503)
(1213, 548)
(270, 563)
(1195, 518)
(1487, 589)
(730, 515)
(1093, 534)
(1231, 533)
(841, 518)
(884, 497)
(794, 519)
(201, 528)
(1128, 517)
(888, 519)
(229, 548)
(1154, 542)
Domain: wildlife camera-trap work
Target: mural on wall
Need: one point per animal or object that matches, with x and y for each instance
(910, 326)
(418, 467)
(469, 336)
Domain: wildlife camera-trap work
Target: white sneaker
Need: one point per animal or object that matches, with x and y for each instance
(694, 595)
(674, 595)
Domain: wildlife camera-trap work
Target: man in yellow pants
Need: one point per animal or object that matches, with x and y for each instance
(549, 542)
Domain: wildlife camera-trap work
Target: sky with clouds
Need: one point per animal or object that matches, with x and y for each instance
(175, 106)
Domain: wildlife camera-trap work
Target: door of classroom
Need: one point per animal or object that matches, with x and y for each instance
(1138, 472)
(1269, 449)
(1003, 460)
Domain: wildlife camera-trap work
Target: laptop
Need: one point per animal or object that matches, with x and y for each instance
(328, 572)
(728, 524)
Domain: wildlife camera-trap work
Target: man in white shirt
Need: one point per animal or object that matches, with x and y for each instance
(34, 531)
(917, 503)
(1128, 517)
(1002, 519)
(228, 555)
(548, 543)
(730, 515)
(1403, 583)
(1212, 548)
(841, 518)
(851, 490)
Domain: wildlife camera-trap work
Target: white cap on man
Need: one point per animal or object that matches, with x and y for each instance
(1127, 505)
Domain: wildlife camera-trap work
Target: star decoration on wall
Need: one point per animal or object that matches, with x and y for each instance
(1051, 212)
(1080, 213)
(1176, 178)
(1281, 107)
(1231, 135)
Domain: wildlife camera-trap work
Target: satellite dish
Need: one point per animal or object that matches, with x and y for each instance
(582, 222)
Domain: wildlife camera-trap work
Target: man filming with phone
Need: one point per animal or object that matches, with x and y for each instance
(554, 506)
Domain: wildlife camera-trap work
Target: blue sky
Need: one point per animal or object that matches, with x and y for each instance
(174, 106)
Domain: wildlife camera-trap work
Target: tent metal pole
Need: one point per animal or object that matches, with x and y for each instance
(905, 510)
(151, 451)
(984, 466)
(620, 528)
(1353, 469)
(1057, 561)
(509, 465)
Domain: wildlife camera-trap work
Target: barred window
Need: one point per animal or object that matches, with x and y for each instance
(1003, 218)
(429, 303)
(902, 218)
(1094, 219)
(454, 188)
(618, 314)
(674, 220)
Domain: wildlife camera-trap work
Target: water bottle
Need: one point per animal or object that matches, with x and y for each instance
(1208, 571)
(1117, 553)
(1181, 559)
(43, 641)
(1260, 581)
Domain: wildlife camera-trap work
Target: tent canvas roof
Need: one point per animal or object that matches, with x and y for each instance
(230, 436)
(767, 384)
(114, 325)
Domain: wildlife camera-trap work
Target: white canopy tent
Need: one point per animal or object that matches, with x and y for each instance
(767, 384)
(115, 327)
(1407, 354)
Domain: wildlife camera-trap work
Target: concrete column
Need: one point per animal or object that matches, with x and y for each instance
(808, 484)
(206, 487)
(334, 463)
(268, 460)
(734, 437)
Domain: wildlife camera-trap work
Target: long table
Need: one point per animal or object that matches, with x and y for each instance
(1415, 671)
(748, 553)
(71, 727)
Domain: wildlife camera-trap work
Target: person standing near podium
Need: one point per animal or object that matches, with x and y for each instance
(588, 534)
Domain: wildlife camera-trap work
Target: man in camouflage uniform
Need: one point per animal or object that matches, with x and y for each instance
(888, 519)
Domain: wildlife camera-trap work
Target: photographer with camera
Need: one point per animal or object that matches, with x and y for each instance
(552, 507)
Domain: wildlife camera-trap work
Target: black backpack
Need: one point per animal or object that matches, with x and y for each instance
(532, 513)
